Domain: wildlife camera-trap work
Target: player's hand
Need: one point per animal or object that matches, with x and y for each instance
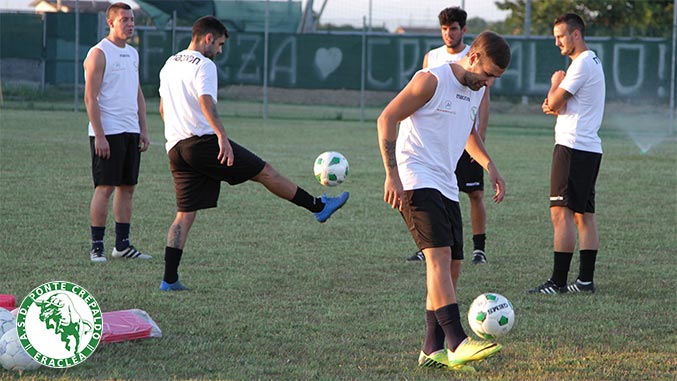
(144, 142)
(546, 108)
(497, 183)
(557, 77)
(393, 192)
(101, 147)
(226, 155)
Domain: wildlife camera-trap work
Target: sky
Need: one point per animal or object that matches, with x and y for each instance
(391, 13)
(394, 13)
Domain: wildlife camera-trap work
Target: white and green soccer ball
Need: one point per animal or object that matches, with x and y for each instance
(13, 356)
(330, 169)
(491, 316)
(7, 321)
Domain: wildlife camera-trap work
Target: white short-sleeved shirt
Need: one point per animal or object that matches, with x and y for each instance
(185, 77)
(432, 139)
(118, 101)
(440, 56)
(579, 122)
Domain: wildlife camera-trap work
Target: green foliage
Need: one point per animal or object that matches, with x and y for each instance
(277, 296)
(631, 18)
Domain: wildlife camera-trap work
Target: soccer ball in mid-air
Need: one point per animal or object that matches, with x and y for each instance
(331, 168)
(12, 354)
(491, 316)
(7, 321)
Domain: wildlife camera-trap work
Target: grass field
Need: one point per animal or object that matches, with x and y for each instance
(277, 296)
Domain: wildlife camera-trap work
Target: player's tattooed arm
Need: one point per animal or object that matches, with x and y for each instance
(389, 146)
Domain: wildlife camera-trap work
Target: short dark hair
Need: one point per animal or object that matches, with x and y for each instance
(453, 14)
(116, 7)
(493, 46)
(208, 24)
(573, 22)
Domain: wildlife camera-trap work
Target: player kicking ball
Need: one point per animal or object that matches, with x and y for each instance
(201, 155)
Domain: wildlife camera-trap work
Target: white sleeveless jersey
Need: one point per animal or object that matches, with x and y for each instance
(432, 139)
(185, 77)
(440, 56)
(578, 123)
(119, 90)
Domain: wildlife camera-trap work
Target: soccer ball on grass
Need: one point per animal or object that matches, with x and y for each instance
(12, 354)
(7, 321)
(331, 168)
(491, 316)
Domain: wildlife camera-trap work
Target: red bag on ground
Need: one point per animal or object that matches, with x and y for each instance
(128, 325)
(7, 301)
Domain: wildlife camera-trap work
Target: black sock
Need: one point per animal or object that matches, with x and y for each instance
(172, 260)
(434, 334)
(97, 233)
(305, 200)
(478, 241)
(121, 235)
(560, 270)
(449, 318)
(587, 266)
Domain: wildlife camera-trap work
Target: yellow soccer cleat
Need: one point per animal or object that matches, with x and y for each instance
(472, 350)
(440, 360)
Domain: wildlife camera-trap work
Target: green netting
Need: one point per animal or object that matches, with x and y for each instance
(20, 36)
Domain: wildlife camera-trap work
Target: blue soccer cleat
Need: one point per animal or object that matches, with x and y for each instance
(176, 286)
(331, 205)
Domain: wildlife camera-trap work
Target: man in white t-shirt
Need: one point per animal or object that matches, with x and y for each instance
(117, 131)
(436, 113)
(469, 174)
(577, 98)
(201, 155)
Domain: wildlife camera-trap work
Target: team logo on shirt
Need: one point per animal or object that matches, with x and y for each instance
(447, 107)
(463, 97)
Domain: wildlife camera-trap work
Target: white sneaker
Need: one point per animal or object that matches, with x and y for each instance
(97, 255)
(129, 253)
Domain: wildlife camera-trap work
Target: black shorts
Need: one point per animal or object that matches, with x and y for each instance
(469, 174)
(433, 220)
(122, 167)
(198, 174)
(573, 177)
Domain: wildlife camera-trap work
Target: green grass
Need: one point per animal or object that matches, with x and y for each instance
(277, 296)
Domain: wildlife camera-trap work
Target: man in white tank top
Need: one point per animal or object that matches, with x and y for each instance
(437, 111)
(469, 174)
(577, 98)
(117, 131)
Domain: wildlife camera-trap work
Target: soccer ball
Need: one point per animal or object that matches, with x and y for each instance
(491, 316)
(12, 354)
(331, 168)
(7, 321)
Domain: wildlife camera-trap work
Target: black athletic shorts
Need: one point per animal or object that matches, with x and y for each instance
(433, 220)
(469, 174)
(198, 174)
(122, 167)
(573, 177)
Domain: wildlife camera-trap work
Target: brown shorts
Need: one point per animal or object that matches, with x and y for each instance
(433, 220)
(198, 174)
